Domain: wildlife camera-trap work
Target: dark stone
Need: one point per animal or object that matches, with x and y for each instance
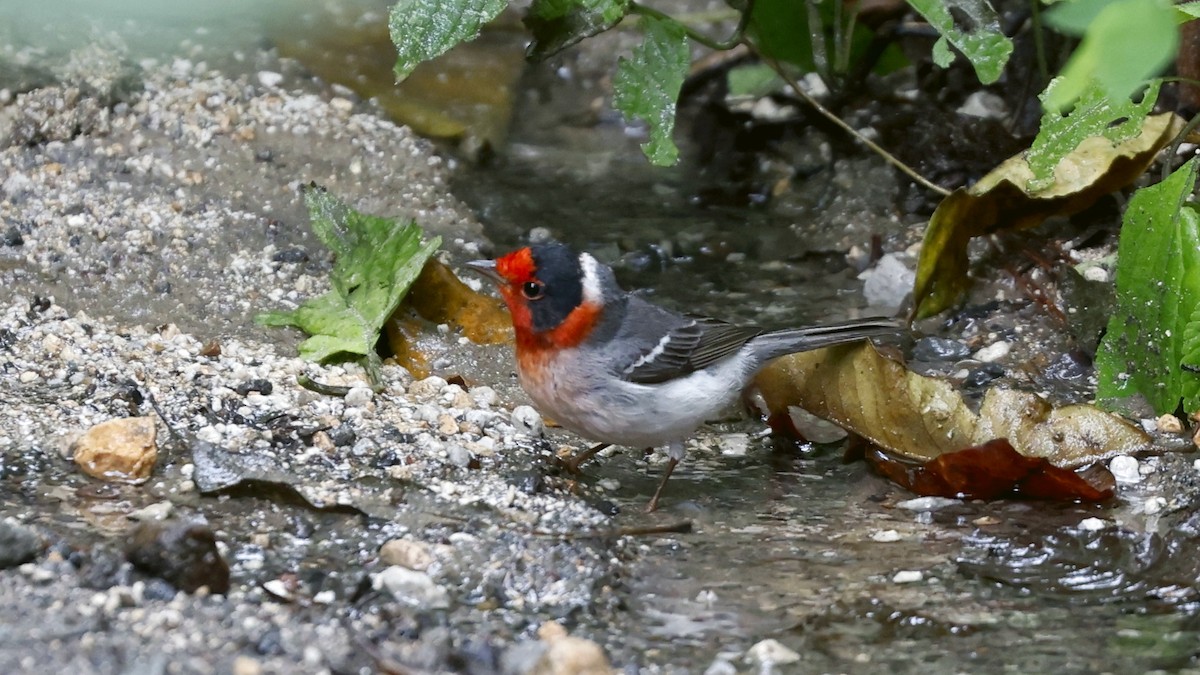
(263, 387)
(929, 349)
(1069, 366)
(102, 568)
(343, 435)
(12, 237)
(270, 643)
(385, 458)
(18, 544)
(290, 255)
(529, 482)
(983, 374)
(157, 589)
(182, 553)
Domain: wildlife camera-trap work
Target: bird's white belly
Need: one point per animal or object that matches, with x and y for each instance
(605, 409)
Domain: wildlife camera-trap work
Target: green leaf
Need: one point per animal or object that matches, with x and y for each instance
(1156, 328)
(1187, 11)
(377, 261)
(423, 29)
(975, 33)
(752, 80)
(1126, 43)
(558, 24)
(1094, 114)
(647, 85)
(780, 30)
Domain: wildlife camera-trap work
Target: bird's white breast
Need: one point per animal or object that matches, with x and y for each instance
(599, 406)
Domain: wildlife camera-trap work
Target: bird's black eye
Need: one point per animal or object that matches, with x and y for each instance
(532, 289)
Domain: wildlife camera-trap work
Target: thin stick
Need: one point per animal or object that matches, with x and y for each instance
(875, 147)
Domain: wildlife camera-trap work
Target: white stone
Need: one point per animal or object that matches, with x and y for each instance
(1125, 469)
(993, 352)
(770, 653)
(1093, 524)
(885, 536)
(907, 576)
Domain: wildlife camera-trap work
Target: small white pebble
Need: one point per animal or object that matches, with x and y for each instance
(927, 503)
(1093, 524)
(268, 78)
(885, 536)
(1153, 505)
(29, 376)
(907, 577)
(528, 421)
(993, 352)
(1125, 469)
(358, 397)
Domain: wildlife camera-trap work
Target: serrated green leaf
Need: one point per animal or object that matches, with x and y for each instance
(1153, 334)
(1187, 11)
(558, 24)
(377, 261)
(423, 29)
(1094, 114)
(1126, 43)
(982, 43)
(647, 85)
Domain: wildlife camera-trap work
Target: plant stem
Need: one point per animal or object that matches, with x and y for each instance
(733, 40)
(875, 147)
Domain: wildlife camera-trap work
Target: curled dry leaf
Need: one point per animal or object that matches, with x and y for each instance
(1003, 200)
(438, 296)
(920, 418)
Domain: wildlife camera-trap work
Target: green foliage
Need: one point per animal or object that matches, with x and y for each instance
(780, 30)
(647, 85)
(984, 45)
(377, 261)
(558, 24)
(1125, 42)
(423, 29)
(1094, 114)
(1155, 331)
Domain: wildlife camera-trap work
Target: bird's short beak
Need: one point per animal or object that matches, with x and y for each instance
(487, 268)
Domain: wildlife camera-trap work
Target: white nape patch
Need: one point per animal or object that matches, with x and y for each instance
(591, 279)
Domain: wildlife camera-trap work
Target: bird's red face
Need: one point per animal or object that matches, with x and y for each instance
(546, 292)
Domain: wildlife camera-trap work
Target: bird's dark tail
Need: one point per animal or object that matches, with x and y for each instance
(774, 344)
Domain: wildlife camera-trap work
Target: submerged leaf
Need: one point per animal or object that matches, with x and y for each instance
(377, 260)
(439, 297)
(647, 85)
(977, 34)
(1003, 200)
(558, 24)
(1153, 339)
(921, 418)
(991, 471)
(423, 29)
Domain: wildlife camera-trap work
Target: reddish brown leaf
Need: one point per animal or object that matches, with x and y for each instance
(993, 470)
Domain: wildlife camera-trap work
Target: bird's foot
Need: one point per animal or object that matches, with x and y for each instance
(652, 505)
(572, 463)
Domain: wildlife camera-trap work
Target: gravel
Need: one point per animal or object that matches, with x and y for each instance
(142, 229)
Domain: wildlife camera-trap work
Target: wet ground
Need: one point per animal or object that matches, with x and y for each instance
(846, 571)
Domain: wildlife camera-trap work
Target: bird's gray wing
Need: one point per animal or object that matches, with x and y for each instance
(672, 345)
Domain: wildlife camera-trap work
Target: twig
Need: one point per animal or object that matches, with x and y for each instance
(682, 527)
(875, 147)
(720, 45)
